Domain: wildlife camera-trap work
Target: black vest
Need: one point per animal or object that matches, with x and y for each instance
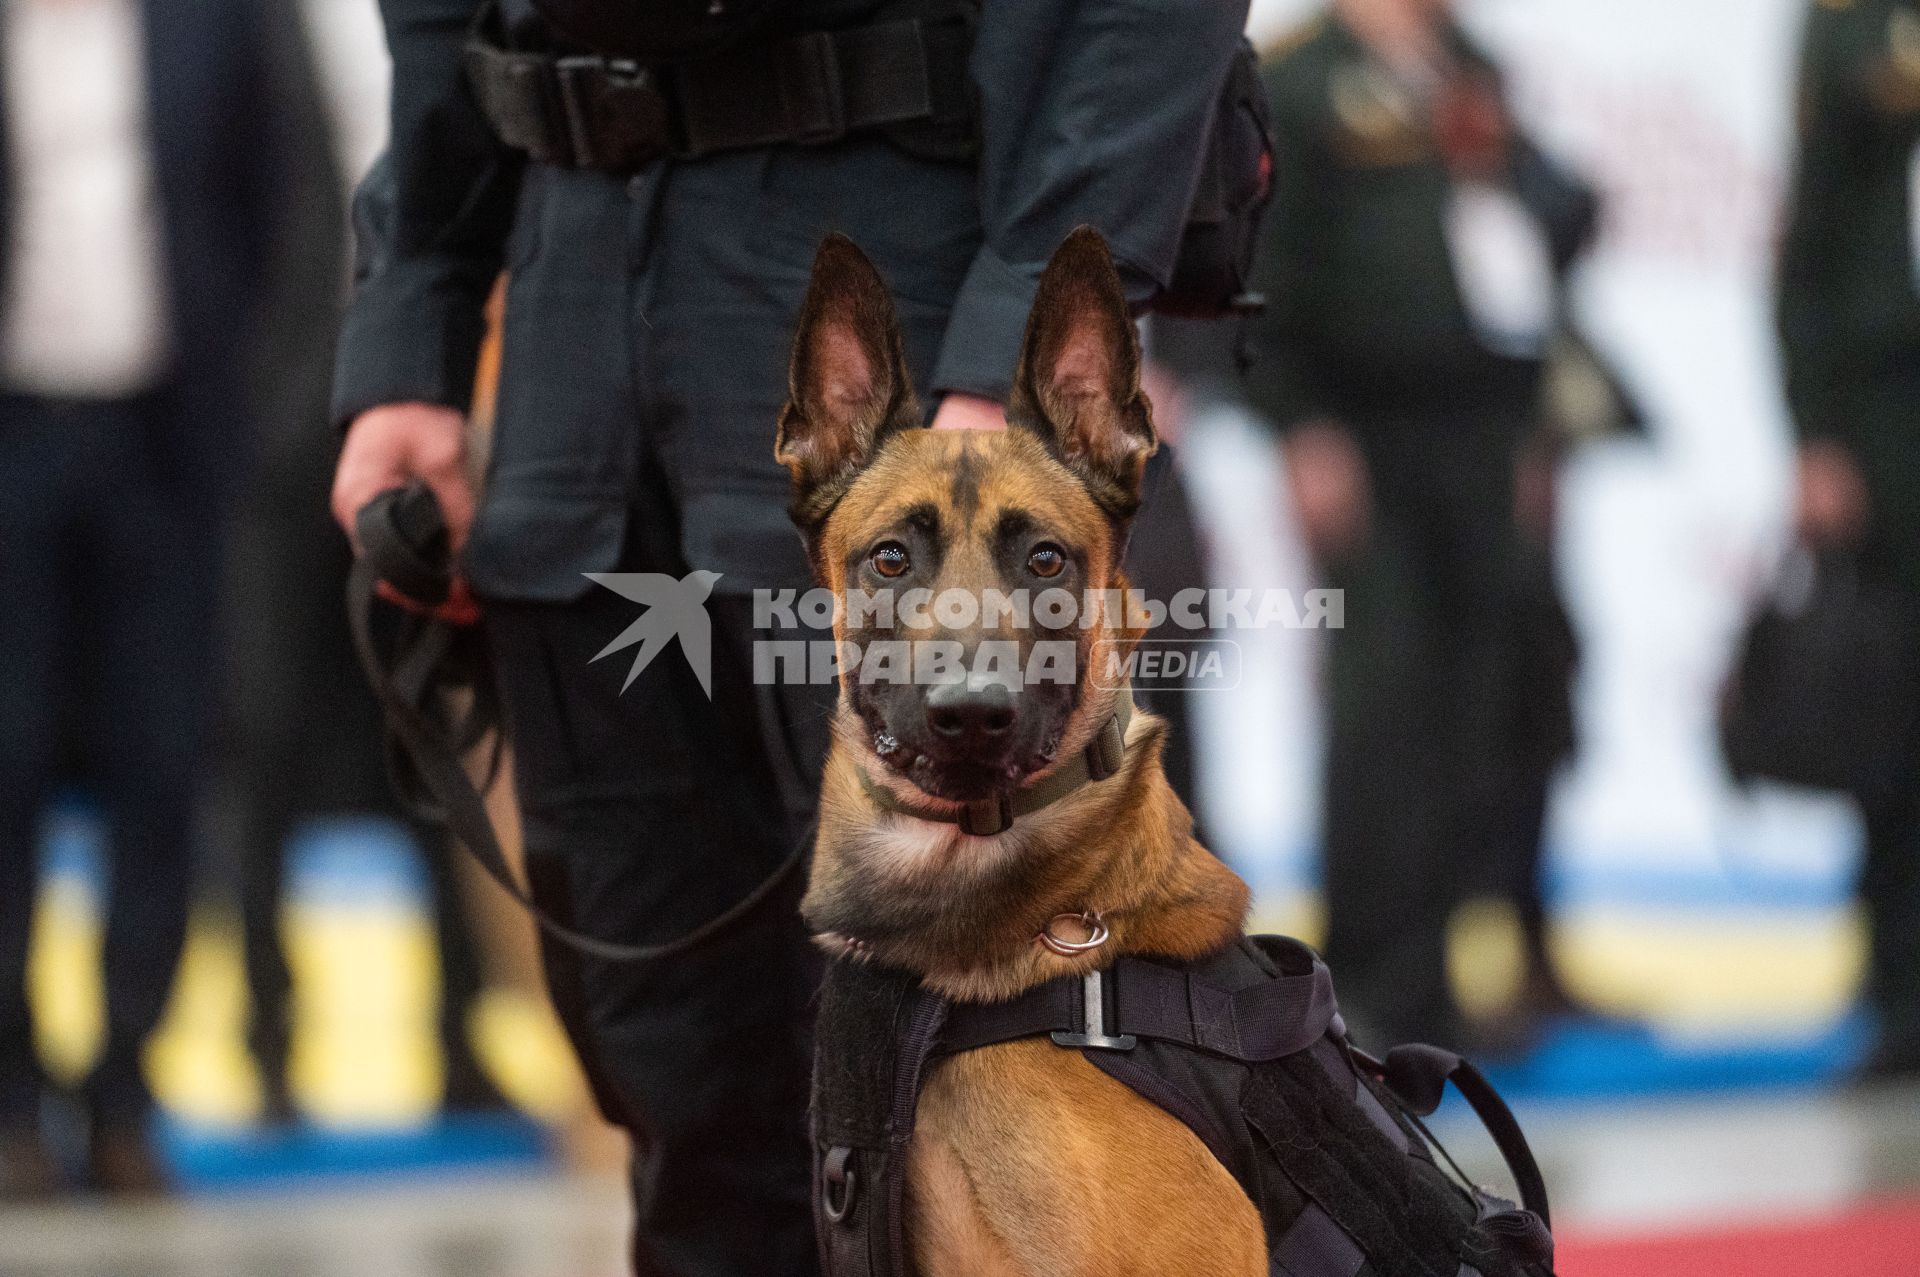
(1247, 1048)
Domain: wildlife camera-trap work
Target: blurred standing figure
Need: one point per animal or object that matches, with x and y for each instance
(1412, 261)
(139, 160)
(1850, 329)
(303, 731)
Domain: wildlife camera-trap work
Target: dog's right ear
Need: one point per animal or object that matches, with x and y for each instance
(848, 387)
(1078, 383)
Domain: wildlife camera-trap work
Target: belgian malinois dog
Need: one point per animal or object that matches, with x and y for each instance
(1026, 1159)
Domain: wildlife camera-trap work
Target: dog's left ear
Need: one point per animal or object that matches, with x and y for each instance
(1078, 384)
(847, 384)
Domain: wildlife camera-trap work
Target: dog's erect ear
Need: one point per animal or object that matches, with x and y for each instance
(847, 385)
(1078, 384)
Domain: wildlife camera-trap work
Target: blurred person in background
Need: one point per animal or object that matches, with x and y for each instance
(1412, 260)
(650, 309)
(302, 739)
(142, 157)
(1849, 310)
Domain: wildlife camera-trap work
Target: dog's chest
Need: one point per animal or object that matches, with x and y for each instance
(1027, 1160)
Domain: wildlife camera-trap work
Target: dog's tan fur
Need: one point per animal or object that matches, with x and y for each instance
(1026, 1160)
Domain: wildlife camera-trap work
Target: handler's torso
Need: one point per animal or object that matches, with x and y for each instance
(647, 332)
(648, 325)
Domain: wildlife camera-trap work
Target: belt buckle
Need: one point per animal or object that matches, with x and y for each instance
(616, 113)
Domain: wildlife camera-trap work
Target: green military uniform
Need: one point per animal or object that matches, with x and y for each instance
(1372, 323)
(1849, 303)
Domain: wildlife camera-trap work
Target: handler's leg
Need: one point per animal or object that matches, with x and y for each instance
(648, 812)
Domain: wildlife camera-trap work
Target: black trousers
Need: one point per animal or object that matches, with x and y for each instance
(1541, 658)
(1422, 692)
(108, 562)
(649, 808)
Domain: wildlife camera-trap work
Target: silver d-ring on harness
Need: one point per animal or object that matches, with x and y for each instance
(1097, 934)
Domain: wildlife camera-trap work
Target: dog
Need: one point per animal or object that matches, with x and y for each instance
(1026, 1159)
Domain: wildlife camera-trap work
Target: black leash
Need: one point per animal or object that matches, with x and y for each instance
(404, 542)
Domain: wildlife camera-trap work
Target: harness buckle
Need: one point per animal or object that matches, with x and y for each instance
(1093, 1019)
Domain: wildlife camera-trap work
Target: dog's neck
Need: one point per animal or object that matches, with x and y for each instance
(965, 913)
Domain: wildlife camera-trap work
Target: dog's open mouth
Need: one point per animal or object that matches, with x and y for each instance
(959, 778)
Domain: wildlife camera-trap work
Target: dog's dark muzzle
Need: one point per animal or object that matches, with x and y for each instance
(971, 739)
(969, 720)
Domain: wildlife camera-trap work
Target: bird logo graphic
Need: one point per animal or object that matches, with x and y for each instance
(675, 607)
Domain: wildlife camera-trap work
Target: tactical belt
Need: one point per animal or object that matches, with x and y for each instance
(618, 115)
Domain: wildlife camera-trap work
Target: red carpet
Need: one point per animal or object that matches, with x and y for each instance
(1881, 1240)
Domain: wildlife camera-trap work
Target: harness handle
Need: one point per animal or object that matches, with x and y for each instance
(401, 533)
(1418, 1074)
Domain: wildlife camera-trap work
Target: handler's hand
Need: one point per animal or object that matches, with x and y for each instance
(969, 412)
(389, 447)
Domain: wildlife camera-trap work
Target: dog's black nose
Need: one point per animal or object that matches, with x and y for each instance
(961, 711)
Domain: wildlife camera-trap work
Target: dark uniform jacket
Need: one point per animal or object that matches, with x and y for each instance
(1849, 283)
(1090, 111)
(1364, 306)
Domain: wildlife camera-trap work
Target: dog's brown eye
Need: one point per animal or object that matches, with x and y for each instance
(890, 559)
(1046, 560)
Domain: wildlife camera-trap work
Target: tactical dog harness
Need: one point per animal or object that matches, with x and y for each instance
(1245, 1047)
